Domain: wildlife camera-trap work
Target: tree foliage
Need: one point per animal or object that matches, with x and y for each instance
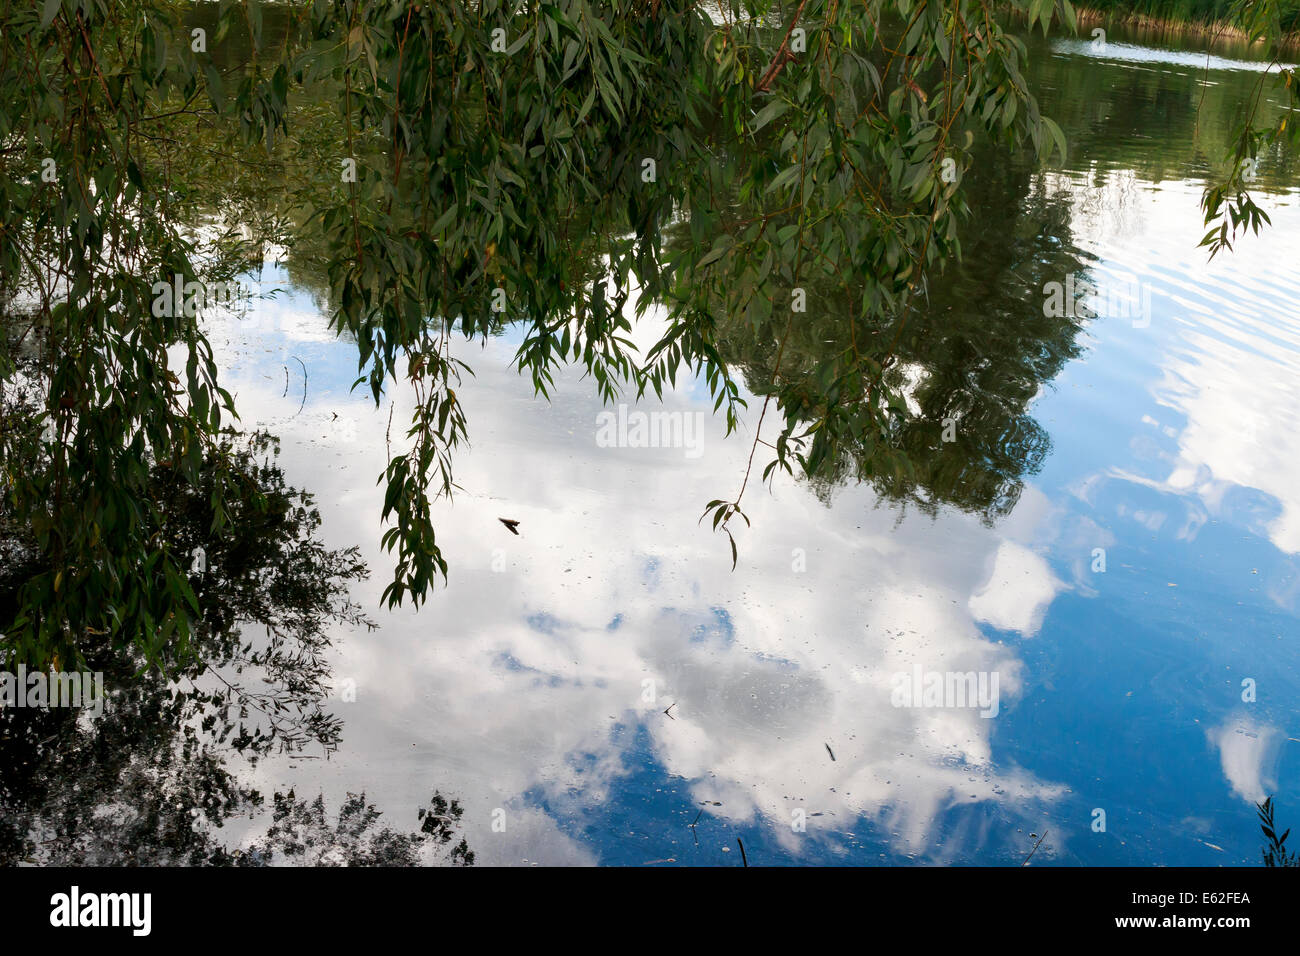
(527, 162)
(1274, 852)
(147, 780)
(1230, 209)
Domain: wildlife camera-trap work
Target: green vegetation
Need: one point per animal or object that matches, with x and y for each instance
(1222, 13)
(147, 780)
(500, 172)
(450, 169)
(1275, 852)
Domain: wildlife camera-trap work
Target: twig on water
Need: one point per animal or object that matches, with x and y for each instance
(1035, 849)
(743, 859)
(304, 385)
(388, 435)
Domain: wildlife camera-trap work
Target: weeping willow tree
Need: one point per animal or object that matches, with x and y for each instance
(456, 167)
(1262, 132)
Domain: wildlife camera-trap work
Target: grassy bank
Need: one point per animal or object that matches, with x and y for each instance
(1188, 11)
(1183, 19)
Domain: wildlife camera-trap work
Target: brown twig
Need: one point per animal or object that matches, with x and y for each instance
(783, 54)
(1035, 849)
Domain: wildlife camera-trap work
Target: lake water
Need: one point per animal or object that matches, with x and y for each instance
(1112, 537)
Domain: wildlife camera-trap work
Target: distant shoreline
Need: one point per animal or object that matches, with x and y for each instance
(1175, 26)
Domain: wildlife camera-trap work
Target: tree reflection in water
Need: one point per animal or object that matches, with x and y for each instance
(150, 780)
(973, 353)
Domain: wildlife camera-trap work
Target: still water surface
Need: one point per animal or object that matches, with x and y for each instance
(1163, 430)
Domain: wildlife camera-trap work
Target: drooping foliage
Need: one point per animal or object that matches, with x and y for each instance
(456, 167)
(151, 776)
(1262, 131)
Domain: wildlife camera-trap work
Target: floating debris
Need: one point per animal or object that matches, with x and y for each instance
(1036, 846)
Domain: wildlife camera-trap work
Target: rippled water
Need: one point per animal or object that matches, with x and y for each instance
(604, 680)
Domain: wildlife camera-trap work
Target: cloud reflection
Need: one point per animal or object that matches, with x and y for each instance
(513, 684)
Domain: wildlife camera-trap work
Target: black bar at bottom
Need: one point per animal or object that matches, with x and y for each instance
(328, 905)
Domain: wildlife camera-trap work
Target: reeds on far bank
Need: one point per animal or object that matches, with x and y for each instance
(1182, 19)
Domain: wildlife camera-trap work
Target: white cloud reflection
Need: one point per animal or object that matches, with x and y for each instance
(1248, 753)
(510, 687)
